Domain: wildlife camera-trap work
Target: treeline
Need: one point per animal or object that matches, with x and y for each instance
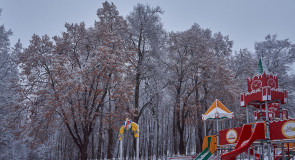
(66, 97)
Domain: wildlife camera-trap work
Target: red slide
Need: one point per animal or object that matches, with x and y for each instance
(245, 140)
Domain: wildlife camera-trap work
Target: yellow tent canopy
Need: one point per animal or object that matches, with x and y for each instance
(217, 110)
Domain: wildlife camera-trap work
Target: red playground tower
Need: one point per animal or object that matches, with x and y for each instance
(272, 135)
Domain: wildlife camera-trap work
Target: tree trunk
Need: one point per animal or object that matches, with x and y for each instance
(110, 129)
(136, 99)
(84, 156)
(99, 146)
(177, 118)
(92, 146)
(136, 94)
(200, 137)
(158, 134)
(174, 133)
(110, 144)
(167, 132)
(83, 152)
(181, 142)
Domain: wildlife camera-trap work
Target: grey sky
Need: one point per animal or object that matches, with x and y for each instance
(245, 21)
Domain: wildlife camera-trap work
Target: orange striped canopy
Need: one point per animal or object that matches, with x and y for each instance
(217, 110)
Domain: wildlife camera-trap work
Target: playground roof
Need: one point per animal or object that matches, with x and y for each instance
(261, 67)
(217, 110)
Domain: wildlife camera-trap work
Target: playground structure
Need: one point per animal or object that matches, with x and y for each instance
(129, 125)
(272, 136)
(209, 147)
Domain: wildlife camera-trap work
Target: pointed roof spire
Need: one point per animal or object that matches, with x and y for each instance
(261, 67)
(217, 110)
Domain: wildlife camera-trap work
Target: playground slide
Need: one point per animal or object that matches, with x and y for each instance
(205, 154)
(209, 147)
(245, 140)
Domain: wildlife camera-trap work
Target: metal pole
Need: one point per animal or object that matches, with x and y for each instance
(260, 111)
(283, 154)
(261, 119)
(249, 153)
(137, 148)
(247, 113)
(204, 128)
(288, 151)
(274, 151)
(217, 137)
(253, 152)
(280, 109)
(267, 130)
(262, 150)
(121, 148)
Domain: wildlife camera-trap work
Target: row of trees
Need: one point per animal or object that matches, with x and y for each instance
(66, 97)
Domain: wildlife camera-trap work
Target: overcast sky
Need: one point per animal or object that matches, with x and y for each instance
(245, 21)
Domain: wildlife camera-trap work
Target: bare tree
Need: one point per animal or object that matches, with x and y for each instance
(8, 94)
(278, 56)
(146, 33)
(71, 80)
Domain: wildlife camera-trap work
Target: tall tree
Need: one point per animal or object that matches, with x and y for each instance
(113, 28)
(69, 82)
(243, 64)
(278, 56)
(8, 94)
(146, 33)
(199, 74)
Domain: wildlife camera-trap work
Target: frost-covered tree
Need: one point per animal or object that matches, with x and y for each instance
(243, 64)
(279, 56)
(198, 74)
(8, 94)
(68, 82)
(146, 33)
(76, 89)
(112, 28)
(147, 36)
